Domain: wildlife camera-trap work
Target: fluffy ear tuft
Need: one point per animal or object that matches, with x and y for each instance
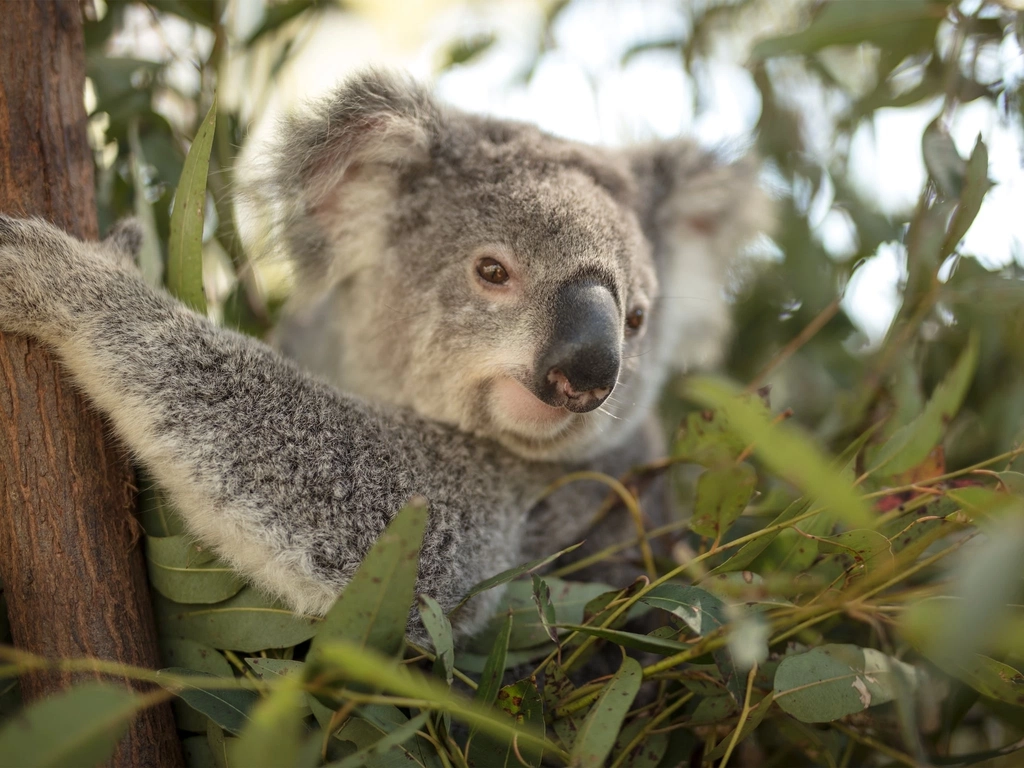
(374, 118)
(698, 212)
(373, 125)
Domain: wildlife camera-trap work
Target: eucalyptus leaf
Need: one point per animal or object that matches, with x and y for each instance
(599, 729)
(246, 622)
(911, 445)
(440, 631)
(185, 572)
(276, 732)
(490, 680)
(229, 708)
(722, 495)
(512, 574)
(373, 609)
(185, 247)
(784, 450)
(78, 726)
(833, 681)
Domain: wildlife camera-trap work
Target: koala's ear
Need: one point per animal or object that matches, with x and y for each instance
(698, 211)
(376, 118)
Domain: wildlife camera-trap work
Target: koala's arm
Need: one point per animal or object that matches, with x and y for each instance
(286, 478)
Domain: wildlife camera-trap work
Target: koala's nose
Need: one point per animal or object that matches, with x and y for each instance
(580, 365)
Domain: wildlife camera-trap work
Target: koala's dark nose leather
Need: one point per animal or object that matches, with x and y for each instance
(580, 365)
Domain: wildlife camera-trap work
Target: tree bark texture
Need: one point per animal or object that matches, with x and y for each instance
(72, 568)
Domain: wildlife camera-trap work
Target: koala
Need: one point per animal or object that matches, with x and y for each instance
(480, 308)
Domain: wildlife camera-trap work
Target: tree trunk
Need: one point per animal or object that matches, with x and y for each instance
(71, 566)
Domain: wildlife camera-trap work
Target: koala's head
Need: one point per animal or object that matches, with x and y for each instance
(522, 287)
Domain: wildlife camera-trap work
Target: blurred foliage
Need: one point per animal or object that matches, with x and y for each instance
(848, 589)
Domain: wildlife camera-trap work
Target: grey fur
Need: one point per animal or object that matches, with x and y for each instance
(383, 199)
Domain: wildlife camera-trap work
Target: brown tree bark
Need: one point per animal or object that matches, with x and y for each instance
(72, 570)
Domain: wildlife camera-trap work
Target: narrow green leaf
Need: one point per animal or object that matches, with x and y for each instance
(490, 680)
(600, 728)
(784, 450)
(722, 495)
(188, 654)
(750, 551)
(228, 708)
(370, 754)
(650, 643)
(247, 622)
(185, 246)
(945, 166)
(185, 572)
(276, 16)
(150, 260)
(522, 703)
(649, 752)
(832, 681)
(569, 599)
(275, 669)
(511, 574)
(80, 726)
(374, 608)
(754, 719)
(903, 25)
(976, 186)
(440, 631)
(342, 661)
(910, 446)
(703, 613)
(275, 733)
(545, 608)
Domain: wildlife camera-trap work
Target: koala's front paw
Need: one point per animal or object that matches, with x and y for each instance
(42, 269)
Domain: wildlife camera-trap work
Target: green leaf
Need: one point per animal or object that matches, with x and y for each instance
(277, 15)
(440, 631)
(276, 669)
(275, 733)
(976, 186)
(713, 709)
(722, 495)
(468, 48)
(521, 702)
(649, 752)
(490, 680)
(650, 643)
(373, 609)
(832, 681)
(185, 246)
(750, 551)
(784, 450)
(150, 260)
(391, 742)
(228, 708)
(158, 517)
(79, 726)
(945, 166)
(569, 599)
(188, 654)
(246, 622)
(910, 446)
(703, 613)
(545, 608)
(754, 719)
(903, 25)
(186, 572)
(511, 574)
(990, 678)
(598, 732)
(342, 661)
(707, 438)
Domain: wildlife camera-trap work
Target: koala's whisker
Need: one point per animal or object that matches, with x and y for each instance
(638, 354)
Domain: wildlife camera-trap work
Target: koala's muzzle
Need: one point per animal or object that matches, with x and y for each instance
(580, 365)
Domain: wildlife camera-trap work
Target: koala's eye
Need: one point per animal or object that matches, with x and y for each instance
(635, 319)
(492, 271)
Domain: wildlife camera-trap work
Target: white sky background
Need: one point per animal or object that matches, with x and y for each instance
(580, 90)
